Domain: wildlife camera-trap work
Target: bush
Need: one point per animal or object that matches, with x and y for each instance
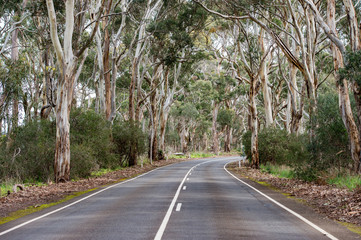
(328, 150)
(83, 161)
(331, 144)
(29, 155)
(90, 129)
(275, 146)
(125, 135)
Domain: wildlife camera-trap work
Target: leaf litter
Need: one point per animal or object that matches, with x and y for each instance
(336, 203)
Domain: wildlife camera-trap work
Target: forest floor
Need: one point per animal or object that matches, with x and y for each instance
(336, 203)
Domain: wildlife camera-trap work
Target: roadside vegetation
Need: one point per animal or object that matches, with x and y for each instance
(152, 80)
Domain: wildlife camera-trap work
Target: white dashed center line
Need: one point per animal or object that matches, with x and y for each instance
(185, 187)
(178, 208)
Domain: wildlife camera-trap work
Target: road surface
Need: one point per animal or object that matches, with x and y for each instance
(190, 200)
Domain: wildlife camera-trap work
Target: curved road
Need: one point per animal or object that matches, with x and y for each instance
(189, 200)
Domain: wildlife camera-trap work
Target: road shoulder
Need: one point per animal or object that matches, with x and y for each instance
(296, 203)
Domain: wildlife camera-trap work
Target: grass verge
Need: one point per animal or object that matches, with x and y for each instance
(279, 171)
(346, 181)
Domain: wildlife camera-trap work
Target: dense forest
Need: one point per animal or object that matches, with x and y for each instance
(93, 84)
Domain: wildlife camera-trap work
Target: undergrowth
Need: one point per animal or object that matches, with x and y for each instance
(281, 171)
(346, 181)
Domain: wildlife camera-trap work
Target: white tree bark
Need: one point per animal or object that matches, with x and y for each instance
(69, 72)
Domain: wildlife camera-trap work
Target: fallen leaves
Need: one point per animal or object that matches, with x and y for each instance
(336, 203)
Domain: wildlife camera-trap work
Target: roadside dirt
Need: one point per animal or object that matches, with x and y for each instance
(336, 203)
(38, 195)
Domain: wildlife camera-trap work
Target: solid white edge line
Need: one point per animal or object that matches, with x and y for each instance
(178, 208)
(284, 207)
(165, 221)
(73, 203)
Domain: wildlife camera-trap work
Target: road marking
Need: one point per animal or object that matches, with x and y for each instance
(178, 208)
(190, 174)
(73, 203)
(185, 187)
(187, 179)
(165, 221)
(284, 207)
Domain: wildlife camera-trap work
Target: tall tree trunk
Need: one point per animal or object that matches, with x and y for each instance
(267, 97)
(69, 72)
(14, 59)
(253, 124)
(100, 83)
(227, 139)
(106, 65)
(62, 149)
(342, 87)
(164, 111)
(154, 109)
(215, 139)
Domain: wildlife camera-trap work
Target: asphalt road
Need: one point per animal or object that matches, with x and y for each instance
(189, 200)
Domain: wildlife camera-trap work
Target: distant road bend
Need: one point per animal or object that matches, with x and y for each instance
(196, 199)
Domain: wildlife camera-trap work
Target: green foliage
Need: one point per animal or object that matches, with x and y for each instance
(90, 135)
(175, 31)
(327, 151)
(349, 181)
(29, 155)
(281, 171)
(352, 69)
(331, 145)
(30, 152)
(225, 117)
(125, 135)
(186, 110)
(83, 161)
(277, 147)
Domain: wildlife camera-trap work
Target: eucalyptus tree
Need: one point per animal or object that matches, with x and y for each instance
(168, 52)
(12, 18)
(70, 59)
(339, 56)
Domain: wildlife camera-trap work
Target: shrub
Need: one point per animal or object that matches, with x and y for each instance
(29, 155)
(331, 145)
(275, 146)
(90, 129)
(83, 161)
(125, 135)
